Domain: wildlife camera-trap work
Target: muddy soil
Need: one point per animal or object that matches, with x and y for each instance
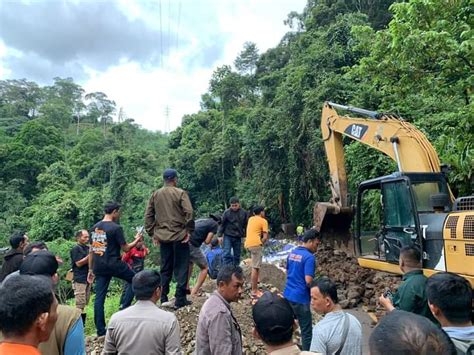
(358, 288)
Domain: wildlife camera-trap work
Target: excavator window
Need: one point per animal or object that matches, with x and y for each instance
(370, 221)
(400, 227)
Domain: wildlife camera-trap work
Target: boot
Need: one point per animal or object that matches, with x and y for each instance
(84, 316)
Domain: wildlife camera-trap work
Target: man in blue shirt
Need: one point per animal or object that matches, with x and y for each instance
(300, 269)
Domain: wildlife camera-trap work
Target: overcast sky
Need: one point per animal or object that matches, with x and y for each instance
(145, 55)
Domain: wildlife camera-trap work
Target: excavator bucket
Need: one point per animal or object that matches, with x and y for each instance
(334, 224)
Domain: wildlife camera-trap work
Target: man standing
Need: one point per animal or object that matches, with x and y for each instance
(205, 229)
(135, 259)
(80, 268)
(338, 332)
(169, 221)
(14, 257)
(257, 235)
(411, 295)
(28, 313)
(218, 332)
(105, 262)
(449, 298)
(143, 328)
(234, 224)
(300, 267)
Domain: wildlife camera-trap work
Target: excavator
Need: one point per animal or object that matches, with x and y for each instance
(412, 206)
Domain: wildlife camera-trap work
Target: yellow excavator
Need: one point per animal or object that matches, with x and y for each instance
(411, 206)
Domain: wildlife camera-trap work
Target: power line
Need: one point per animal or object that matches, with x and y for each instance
(169, 27)
(161, 39)
(177, 31)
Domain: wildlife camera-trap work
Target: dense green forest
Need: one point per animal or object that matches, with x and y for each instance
(257, 134)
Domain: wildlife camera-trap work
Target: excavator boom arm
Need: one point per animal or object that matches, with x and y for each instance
(398, 139)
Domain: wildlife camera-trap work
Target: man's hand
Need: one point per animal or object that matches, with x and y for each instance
(386, 303)
(264, 239)
(186, 238)
(155, 242)
(90, 277)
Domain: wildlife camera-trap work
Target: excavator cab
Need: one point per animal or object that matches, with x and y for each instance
(398, 201)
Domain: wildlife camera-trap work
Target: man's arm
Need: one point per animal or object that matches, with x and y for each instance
(90, 274)
(75, 257)
(223, 224)
(209, 238)
(318, 341)
(220, 335)
(127, 246)
(264, 231)
(309, 268)
(74, 343)
(109, 344)
(172, 341)
(150, 216)
(188, 212)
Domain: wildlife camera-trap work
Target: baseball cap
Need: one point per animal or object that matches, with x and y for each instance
(272, 315)
(170, 174)
(310, 234)
(42, 262)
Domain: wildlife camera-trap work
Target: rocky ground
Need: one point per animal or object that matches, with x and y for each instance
(358, 287)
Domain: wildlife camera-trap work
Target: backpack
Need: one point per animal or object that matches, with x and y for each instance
(215, 266)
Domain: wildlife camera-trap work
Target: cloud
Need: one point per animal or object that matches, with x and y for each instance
(145, 55)
(65, 36)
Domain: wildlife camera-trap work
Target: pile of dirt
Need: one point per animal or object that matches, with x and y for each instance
(357, 285)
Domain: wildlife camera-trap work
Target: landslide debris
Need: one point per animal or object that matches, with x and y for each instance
(357, 286)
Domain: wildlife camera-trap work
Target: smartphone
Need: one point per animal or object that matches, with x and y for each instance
(140, 229)
(388, 294)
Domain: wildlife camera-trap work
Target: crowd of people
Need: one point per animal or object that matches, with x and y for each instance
(424, 316)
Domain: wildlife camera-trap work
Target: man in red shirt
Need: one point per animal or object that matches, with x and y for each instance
(28, 312)
(135, 259)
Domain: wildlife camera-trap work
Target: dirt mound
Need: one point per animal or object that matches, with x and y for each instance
(357, 285)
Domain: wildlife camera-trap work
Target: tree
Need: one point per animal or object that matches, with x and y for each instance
(247, 60)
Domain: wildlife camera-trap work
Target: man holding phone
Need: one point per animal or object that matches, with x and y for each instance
(107, 240)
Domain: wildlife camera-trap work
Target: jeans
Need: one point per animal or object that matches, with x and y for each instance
(102, 281)
(232, 249)
(125, 301)
(174, 260)
(303, 315)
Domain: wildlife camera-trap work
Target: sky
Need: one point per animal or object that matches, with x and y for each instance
(154, 58)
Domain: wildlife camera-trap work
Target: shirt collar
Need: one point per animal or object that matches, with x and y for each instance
(412, 273)
(227, 304)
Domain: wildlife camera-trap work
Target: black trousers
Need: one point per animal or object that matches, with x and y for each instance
(174, 260)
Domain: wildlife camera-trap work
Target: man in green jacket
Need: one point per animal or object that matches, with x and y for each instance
(410, 296)
(169, 221)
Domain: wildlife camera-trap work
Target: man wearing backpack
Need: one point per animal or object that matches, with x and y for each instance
(214, 259)
(204, 230)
